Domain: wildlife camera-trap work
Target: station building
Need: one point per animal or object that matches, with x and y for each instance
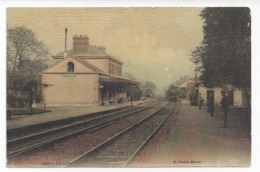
(84, 76)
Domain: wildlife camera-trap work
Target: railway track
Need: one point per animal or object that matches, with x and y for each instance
(20, 145)
(119, 150)
(37, 128)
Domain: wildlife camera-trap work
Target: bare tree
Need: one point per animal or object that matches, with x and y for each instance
(26, 58)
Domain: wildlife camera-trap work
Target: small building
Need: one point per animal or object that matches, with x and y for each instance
(185, 88)
(84, 76)
(236, 95)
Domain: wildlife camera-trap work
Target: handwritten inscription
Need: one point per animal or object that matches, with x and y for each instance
(54, 163)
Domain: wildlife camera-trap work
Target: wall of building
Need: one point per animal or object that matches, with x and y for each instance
(203, 92)
(238, 98)
(62, 66)
(114, 68)
(217, 94)
(70, 89)
(99, 63)
(106, 65)
(237, 95)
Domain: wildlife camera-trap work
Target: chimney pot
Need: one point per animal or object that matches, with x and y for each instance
(80, 44)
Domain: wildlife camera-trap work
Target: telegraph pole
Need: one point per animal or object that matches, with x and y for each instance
(66, 30)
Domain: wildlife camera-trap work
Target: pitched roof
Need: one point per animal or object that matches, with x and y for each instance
(94, 68)
(83, 62)
(112, 78)
(105, 77)
(92, 50)
(183, 83)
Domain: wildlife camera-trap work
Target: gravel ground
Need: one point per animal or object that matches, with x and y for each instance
(192, 138)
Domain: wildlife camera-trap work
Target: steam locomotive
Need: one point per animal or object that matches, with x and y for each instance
(172, 93)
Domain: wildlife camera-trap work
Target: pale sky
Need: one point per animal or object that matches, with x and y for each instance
(154, 44)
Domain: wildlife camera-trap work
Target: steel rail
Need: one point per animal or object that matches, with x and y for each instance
(54, 140)
(74, 133)
(28, 130)
(15, 140)
(35, 135)
(148, 138)
(104, 143)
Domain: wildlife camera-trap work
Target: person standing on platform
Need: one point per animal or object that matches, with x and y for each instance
(200, 100)
(224, 108)
(131, 99)
(210, 103)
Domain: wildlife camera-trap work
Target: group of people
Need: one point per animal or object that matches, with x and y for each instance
(224, 108)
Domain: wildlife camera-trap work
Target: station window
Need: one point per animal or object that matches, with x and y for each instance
(70, 67)
(110, 68)
(114, 68)
(119, 71)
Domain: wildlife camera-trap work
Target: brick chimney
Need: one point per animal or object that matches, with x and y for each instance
(80, 44)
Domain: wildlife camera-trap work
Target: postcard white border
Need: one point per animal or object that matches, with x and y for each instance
(254, 5)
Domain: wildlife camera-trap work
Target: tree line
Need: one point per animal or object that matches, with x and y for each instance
(26, 58)
(224, 56)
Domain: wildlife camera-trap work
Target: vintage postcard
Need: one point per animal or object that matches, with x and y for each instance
(128, 87)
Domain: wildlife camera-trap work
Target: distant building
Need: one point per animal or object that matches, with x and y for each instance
(185, 88)
(83, 76)
(236, 95)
